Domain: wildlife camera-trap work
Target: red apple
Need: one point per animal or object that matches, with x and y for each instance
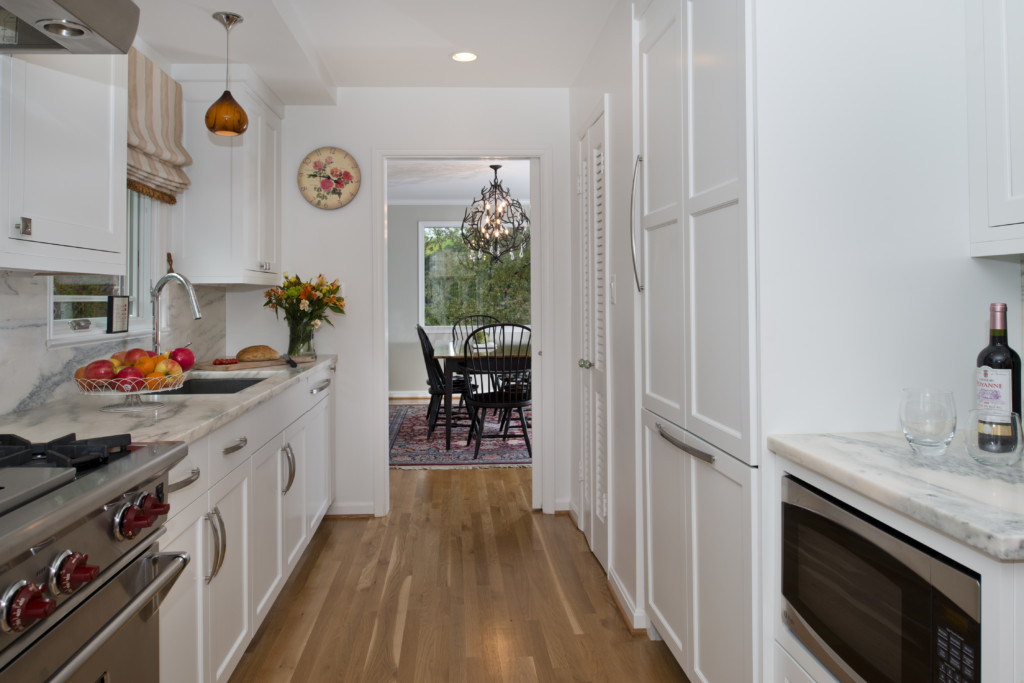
(99, 369)
(132, 356)
(168, 367)
(152, 354)
(129, 378)
(185, 358)
(119, 357)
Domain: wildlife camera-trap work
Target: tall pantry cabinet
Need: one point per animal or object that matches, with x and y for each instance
(696, 264)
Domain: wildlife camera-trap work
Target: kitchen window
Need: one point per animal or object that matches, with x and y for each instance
(453, 285)
(78, 303)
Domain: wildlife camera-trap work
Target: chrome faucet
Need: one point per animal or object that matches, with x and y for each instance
(155, 295)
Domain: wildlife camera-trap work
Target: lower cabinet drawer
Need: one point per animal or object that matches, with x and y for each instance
(190, 478)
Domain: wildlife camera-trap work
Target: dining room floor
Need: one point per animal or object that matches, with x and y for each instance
(461, 582)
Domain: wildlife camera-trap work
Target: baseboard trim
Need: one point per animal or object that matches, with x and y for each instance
(636, 619)
(350, 510)
(393, 395)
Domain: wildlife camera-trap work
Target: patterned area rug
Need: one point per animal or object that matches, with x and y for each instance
(411, 448)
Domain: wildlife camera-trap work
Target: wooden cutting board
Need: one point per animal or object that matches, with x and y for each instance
(240, 365)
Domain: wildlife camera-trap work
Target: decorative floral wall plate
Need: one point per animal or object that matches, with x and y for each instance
(328, 178)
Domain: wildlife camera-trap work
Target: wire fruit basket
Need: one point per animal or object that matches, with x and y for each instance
(131, 389)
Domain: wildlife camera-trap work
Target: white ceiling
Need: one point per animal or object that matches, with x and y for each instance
(453, 181)
(305, 49)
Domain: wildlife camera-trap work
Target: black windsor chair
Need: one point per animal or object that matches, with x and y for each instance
(499, 377)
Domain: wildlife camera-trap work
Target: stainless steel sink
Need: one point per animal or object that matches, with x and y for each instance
(211, 385)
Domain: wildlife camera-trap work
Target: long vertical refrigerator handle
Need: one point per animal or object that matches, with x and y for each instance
(632, 219)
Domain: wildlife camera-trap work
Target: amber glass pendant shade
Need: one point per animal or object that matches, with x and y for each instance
(226, 116)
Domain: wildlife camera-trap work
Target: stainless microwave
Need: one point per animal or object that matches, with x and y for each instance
(871, 603)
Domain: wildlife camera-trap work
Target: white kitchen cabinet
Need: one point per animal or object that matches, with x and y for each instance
(697, 253)
(266, 565)
(230, 228)
(697, 318)
(229, 622)
(296, 470)
(183, 610)
(241, 511)
(660, 202)
(666, 475)
(319, 442)
(995, 41)
(62, 163)
(700, 566)
(722, 569)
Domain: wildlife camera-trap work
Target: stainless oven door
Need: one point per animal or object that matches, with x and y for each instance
(111, 636)
(870, 603)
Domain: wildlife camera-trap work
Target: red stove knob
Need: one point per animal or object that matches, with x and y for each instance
(129, 520)
(24, 605)
(152, 507)
(72, 572)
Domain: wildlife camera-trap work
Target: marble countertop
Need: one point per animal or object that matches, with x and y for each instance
(182, 417)
(980, 505)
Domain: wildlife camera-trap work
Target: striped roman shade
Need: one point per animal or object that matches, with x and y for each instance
(155, 153)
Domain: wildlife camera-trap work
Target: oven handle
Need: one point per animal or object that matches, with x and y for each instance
(163, 580)
(192, 477)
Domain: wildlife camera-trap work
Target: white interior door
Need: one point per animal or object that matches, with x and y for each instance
(593, 327)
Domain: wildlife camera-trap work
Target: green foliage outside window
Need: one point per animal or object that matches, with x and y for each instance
(456, 285)
(81, 286)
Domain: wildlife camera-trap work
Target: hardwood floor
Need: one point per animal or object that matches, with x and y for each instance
(462, 582)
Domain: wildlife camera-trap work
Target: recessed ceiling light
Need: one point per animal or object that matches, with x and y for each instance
(464, 57)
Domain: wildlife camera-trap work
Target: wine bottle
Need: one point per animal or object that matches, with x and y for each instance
(998, 384)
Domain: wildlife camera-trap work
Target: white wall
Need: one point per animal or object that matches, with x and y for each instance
(406, 372)
(341, 244)
(867, 285)
(608, 70)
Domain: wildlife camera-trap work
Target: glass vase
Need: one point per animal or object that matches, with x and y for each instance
(300, 341)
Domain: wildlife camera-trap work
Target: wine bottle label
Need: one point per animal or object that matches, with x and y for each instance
(995, 389)
(995, 428)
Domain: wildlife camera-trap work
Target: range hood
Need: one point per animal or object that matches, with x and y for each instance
(68, 26)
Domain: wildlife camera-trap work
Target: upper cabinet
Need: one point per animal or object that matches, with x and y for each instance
(62, 163)
(995, 48)
(230, 231)
(696, 245)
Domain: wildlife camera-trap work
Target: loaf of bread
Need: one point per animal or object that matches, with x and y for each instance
(258, 352)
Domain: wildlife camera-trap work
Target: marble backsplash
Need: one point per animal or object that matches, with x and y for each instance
(34, 374)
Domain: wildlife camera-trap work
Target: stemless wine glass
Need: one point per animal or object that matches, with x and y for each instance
(928, 419)
(993, 437)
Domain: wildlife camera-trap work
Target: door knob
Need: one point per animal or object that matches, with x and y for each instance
(585, 364)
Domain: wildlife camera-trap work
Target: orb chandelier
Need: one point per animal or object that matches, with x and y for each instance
(495, 224)
(226, 116)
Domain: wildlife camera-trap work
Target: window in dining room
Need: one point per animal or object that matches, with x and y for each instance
(453, 285)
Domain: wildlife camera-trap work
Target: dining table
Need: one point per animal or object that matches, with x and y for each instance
(453, 354)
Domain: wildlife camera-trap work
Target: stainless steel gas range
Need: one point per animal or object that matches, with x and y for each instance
(80, 573)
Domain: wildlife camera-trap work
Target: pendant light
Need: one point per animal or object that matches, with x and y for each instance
(495, 224)
(226, 116)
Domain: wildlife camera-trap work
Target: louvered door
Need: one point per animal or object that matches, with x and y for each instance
(593, 325)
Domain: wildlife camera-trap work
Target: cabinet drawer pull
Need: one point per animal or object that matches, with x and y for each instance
(697, 453)
(193, 476)
(320, 387)
(237, 446)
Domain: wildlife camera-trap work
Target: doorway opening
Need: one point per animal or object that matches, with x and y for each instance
(431, 282)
